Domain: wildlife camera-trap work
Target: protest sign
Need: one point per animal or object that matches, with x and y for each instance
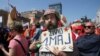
(60, 38)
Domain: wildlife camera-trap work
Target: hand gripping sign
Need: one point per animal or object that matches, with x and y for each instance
(60, 38)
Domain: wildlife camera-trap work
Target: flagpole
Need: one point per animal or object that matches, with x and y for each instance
(8, 6)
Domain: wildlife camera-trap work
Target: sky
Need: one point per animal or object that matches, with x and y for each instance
(71, 9)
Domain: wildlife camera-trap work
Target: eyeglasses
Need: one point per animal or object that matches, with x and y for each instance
(89, 27)
(98, 27)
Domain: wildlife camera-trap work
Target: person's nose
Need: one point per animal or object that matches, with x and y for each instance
(49, 20)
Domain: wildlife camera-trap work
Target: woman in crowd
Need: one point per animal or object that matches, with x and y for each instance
(15, 48)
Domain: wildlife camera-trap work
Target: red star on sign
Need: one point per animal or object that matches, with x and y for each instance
(44, 34)
(65, 29)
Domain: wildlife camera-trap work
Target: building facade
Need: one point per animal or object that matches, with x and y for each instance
(33, 15)
(97, 20)
(4, 15)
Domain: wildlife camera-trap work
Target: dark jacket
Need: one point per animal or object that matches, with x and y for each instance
(89, 45)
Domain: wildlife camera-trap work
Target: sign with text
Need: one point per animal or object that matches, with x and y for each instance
(60, 38)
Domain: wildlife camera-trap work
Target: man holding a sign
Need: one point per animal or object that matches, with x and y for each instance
(56, 40)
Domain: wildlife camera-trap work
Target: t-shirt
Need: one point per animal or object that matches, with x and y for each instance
(15, 45)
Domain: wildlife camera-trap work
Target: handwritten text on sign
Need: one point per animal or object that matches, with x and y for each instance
(57, 37)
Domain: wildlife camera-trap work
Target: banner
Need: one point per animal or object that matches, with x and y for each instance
(60, 38)
(0, 19)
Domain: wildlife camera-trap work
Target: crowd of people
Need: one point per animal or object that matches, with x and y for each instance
(25, 40)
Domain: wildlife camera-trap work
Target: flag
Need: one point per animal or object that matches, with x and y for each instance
(13, 13)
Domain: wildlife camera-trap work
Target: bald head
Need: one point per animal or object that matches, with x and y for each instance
(89, 24)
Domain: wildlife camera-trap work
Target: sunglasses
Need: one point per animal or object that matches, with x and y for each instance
(89, 27)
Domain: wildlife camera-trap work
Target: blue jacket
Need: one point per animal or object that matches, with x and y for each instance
(89, 45)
